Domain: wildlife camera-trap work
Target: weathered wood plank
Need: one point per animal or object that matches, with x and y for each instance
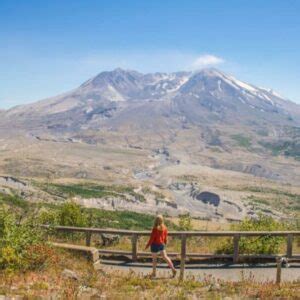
(174, 233)
(278, 270)
(195, 255)
(88, 237)
(289, 245)
(115, 252)
(182, 256)
(94, 253)
(74, 247)
(134, 240)
(236, 240)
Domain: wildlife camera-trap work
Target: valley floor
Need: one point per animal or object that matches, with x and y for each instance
(168, 180)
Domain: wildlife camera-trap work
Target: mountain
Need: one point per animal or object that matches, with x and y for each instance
(128, 108)
(176, 135)
(202, 97)
(209, 104)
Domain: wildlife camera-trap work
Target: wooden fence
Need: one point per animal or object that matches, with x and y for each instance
(184, 235)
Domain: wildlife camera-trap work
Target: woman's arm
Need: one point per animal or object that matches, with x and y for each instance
(151, 239)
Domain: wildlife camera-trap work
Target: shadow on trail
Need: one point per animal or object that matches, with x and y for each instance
(197, 266)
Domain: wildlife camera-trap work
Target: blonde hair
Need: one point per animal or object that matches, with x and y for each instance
(159, 222)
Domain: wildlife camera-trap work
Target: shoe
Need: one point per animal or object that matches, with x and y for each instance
(174, 272)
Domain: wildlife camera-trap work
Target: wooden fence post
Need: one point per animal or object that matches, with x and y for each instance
(278, 272)
(289, 245)
(134, 240)
(182, 256)
(236, 239)
(88, 237)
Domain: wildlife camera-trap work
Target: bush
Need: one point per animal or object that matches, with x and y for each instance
(3, 214)
(71, 214)
(66, 214)
(16, 240)
(48, 217)
(256, 245)
(185, 222)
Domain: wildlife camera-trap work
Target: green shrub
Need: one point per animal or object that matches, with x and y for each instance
(71, 214)
(16, 239)
(290, 148)
(48, 217)
(242, 141)
(3, 214)
(256, 245)
(66, 214)
(185, 222)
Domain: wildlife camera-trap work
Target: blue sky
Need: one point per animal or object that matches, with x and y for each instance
(48, 47)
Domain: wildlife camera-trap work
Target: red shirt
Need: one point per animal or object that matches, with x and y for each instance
(158, 237)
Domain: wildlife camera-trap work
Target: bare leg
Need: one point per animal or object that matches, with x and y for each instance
(154, 264)
(168, 260)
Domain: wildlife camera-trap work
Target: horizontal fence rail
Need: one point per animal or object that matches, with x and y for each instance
(172, 233)
(184, 235)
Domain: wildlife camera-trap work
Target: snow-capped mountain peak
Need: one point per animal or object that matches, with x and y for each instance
(207, 89)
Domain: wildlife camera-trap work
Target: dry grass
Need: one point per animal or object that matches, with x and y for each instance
(49, 282)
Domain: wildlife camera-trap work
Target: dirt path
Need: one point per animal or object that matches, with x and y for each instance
(258, 272)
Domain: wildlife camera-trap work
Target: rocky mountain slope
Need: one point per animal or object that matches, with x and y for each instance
(148, 129)
(119, 97)
(129, 108)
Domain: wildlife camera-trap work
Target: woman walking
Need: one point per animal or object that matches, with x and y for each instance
(157, 243)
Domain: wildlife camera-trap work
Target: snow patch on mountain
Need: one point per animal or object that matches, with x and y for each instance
(243, 85)
(273, 93)
(113, 94)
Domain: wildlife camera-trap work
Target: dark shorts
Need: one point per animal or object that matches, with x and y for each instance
(157, 248)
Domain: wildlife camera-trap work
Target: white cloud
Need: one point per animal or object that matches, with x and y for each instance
(206, 60)
(149, 61)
